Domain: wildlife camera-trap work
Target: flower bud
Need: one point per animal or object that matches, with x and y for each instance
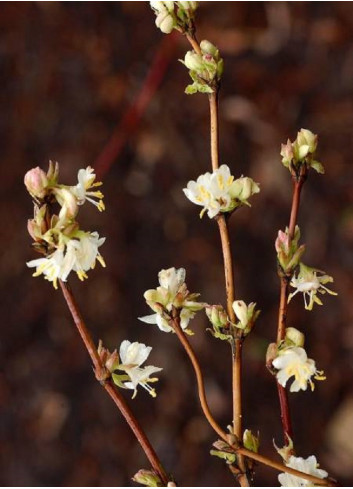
(165, 22)
(250, 441)
(287, 153)
(307, 138)
(246, 314)
(188, 5)
(193, 61)
(208, 48)
(36, 182)
(68, 202)
(161, 6)
(241, 311)
(243, 188)
(147, 478)
(288, 252)
(217, 316)
(294, 336)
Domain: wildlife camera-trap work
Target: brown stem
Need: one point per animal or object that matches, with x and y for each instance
(228, 264)
(175, 323)
(229, 280)
(236, 382)
(214, 131)
(193, 41)
(108, 386)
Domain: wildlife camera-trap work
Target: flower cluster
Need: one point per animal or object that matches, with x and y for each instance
(308, 466)
(58, 237)
(223, 328)
(218, 191)
(171, 293)
(129, 360)
(310, 283)
(205, 68)
(174, 15)
(301, 152)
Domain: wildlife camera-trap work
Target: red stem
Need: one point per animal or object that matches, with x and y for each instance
(101, 374)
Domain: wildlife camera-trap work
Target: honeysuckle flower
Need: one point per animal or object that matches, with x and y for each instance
(78, 254)
(218, 191)
(82, 191)
(132, 356)
(84, 252)
(301, 151)
(288, 251)
(294, 362)
(309, 282)
(36, 182)
(246, 315)
(53, 267)
(172, 292)
(308, 466)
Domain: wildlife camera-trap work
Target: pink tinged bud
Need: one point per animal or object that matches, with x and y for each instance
(282, 242)
(147, 478)
(36, 182)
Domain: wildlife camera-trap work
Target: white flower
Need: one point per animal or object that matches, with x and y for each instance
(308, 466)
(53, 267)
(218, 192)
(309, 284)
(86, 181)
(294, 362)
(172, 292)
(85, 252)
(78, 254)
(132, 356)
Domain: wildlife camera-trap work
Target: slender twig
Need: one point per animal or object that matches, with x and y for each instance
(283, 306)
(214, 129)
(230, 292)
(108, 386)
(175, 323)
(229, 276)
(228, 264)
(193, 41)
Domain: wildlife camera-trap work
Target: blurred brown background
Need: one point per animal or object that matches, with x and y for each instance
(69, 71)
